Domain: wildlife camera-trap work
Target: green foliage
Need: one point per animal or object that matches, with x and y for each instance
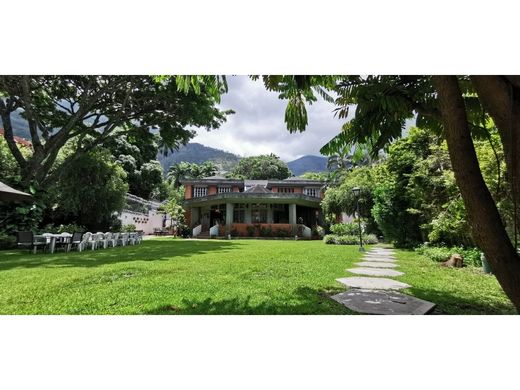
(265, 231)
(90, 189)
(441, 253)
(185, 170)
(341, 198)
(250, 230)
(136, 150)
(96, 106)
(261, 167)
(67, 228)
(129, 228)
(349, 239)
(342, 229)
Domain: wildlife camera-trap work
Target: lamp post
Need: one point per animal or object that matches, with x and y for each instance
(357, 191)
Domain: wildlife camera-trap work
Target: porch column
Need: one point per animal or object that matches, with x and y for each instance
(195, 215)
(292, 216)
(229, 217)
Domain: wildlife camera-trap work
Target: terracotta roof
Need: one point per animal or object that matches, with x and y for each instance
(18, 140)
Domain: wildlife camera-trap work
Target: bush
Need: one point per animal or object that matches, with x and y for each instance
(7, 242)
(370, 239)
(281, 233)
(349, 239)
(250, 231)
(345, 229)
(441, 253)
(128, 228)
(318, 231)
(265, 232)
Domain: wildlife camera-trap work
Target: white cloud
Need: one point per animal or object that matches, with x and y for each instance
(258, 126)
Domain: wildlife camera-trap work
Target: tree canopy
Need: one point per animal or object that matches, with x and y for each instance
(186, 170)
(89, 110)
(263, 167)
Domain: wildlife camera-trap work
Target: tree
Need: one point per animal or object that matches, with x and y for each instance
(90, 190)
(89, 109)
(263, 167)
(186, 170)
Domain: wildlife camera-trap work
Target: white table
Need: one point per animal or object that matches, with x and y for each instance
(52, 238)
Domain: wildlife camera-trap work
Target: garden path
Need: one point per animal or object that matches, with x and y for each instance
(373, 294)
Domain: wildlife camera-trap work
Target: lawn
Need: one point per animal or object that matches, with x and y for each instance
(174, 276)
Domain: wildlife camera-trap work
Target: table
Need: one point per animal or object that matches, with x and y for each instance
(52, 238)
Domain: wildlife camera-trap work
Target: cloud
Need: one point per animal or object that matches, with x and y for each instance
(258, 126)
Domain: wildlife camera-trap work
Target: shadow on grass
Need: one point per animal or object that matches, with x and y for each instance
(149, 250)
(304, 300)
(455, 304)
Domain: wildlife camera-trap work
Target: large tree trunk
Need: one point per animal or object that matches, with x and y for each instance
(500, 97)
(488, 230)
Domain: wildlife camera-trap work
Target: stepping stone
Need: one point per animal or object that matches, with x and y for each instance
(380, 259)
(375, 271)
(376, 264)
(372, 283)
(377, 255)
(383, 302)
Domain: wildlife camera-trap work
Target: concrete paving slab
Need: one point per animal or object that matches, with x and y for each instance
(372, 283)
(382, 259)
(375, 271)
(376, 264)
(379, 255)
(383, 302)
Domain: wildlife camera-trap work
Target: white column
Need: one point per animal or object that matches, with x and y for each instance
(229, 216)
(292, 214)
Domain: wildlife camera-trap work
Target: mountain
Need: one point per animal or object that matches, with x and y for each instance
(308, 164)
(198, 153)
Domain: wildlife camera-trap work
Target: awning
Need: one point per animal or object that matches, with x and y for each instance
(8, 194)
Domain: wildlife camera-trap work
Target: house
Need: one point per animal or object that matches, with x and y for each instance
(219, 206)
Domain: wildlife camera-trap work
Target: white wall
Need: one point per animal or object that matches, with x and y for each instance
(154, 220)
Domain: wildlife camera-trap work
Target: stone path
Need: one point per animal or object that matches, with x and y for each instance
(376, 295)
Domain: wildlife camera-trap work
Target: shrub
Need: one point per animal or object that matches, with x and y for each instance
(234, 232)
(265, 232)
(7, 242)
(345, 229)
(441, 253)
(349, 239)
(282, 233)
(329, 239)
(128, 228)
(318, 231)
(370, 239)
(250, 231)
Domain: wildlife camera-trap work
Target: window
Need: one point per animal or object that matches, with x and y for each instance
(222, 190)
(258, 213)
(200, 191)
(286, 190)
(310, 191)
(239, 213)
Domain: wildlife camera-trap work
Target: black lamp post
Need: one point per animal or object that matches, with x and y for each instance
(357, 191)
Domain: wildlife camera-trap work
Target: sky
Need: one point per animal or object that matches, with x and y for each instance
(258, 126)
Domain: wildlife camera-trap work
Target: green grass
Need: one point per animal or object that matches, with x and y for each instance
(173, 276)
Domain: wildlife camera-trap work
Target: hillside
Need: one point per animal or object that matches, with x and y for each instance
(198, 153)
(308, 164)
